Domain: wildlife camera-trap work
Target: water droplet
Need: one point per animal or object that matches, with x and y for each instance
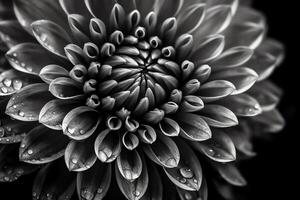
(22, 145)
(4, 89)
(136, 193)
(182, 180)
(21, 113)
(29, 69)
(7, 82)
(81, 132)
(211, 152)
(186, 172)
(6, 178)
(100, 190)
(71, 130)
(74, 160)
(17, 84)
(30, 151)
(86, 194)
(23, 64)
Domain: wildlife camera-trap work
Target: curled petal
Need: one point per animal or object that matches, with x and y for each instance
(208, 49)
(133, 190)
(191, 103)
(42, 145)
(54, 181)
(108, 146)
(75, 54)
(169, 127)
(188, 174)
(74, 7)
(80, 27)
(65, 88)
(202, 73)
(52, 72)
(130, 165)
(100, 9)
(23, 57)
(193, 127)
(89, 183)
(130, 140)
(242, 78)
(147, 134)
(51, 36)
(26, 104)
(218, 116)
(81, 122)
(163, 151)
(79, 155)
(231, 174)
(219, 148)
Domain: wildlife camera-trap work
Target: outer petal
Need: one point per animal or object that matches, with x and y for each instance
(94, 183)
(188, 174)
(136, 189)
(193, 127)
(26, 104)
(51, 36)
(65, 88)
(270, 121)
(79, 155)
(201, 194)
(81, 122)
(54, 181)
(163, 151)
(30, 58)
(219, 148)
(42, 145)
(231, 174)
(52, 72)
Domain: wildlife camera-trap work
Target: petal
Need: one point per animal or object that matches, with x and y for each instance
(219, 148)
(243, 78)
(267, 94)
(155, 186)
(80, 28)
(169, 127)
(193, 127)
(26, 104)
(273, 47)
(43, 9)
(95, 182)
(81, 122)
(136, 189)
(145, 7)
(147, 134)
(53, 113)
(130, 165)
(201, 194)
(11, 81)
(23, 57)
(218, 116)
(65, 88)
(163, 151)
(42, 145)
(12, 33)
(108, 146)
(231, 174)
(51, 36)
(51, 72)
(13, 131)
(208, 49)
(188, 174)
(243, 105)
(233, 57)
(167, 8)
(202, 73)
(11, 168)
(191, 103)
(271, 121)
(215, 90)
(54, 181)
(79, 155)
(216, 20)
(100, 9)
(74, 7)
(75, 54)
(130, 140)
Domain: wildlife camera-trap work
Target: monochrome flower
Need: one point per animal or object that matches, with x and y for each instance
(135, 90)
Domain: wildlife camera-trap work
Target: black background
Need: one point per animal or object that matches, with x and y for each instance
(273, 174)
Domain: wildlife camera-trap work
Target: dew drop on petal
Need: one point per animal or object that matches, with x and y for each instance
(100, 190)
(86, 194)
(186, 172)
(21, 113)
(30, 151)
(136, 193)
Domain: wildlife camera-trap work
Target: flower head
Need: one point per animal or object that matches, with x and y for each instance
(129, 86)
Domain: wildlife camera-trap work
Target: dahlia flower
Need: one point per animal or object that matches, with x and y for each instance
(154, 95)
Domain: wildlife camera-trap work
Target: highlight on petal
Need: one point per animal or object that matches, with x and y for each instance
(193, 127)
(219, 148)
(130, 141)
(130, 164)
(52, 72)
(163, 151)
(54, 181)
(51, 36)
(147, 134)
(26, 104)
(231, 174)
(242, 105)
(94, 182)
(81, 122)
(65, 88)
(218, 116)
(107, 146)
(169, 127)
(242, 78)
(79, 155)
(188, 174)
(42, 145)
(133, 190)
